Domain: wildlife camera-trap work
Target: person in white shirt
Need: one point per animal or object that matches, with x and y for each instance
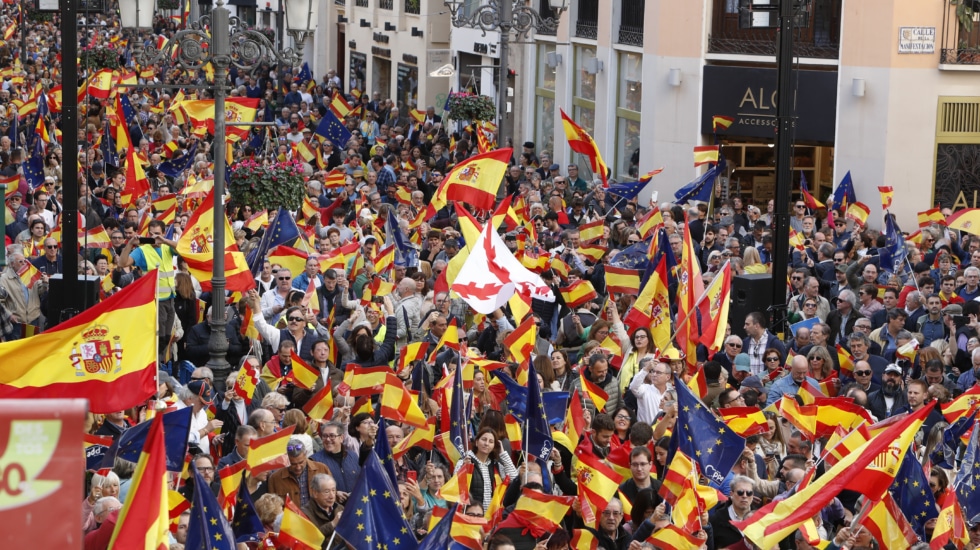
(201, 427)
(649, 386)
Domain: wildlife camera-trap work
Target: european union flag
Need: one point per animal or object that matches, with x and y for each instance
(257, 140)
(42, 105)
(333, 129)
(967, 478)
(555, 405)
(176, 427)
(305, 75)
(628, 189)
(944, 455)
(383, 449)
(458, 414)
(405, 252)
(843, 194)
(282, 230)
(173, 167)
(893, 253)
(108, 148)
(129, 114)
(704, 437)
(208, 529)
(34, 166)
(373, 515)
(247, 520)
(911, 492)
(700, 188)
(633, 257)
(537, 436)
(440, 537)
(516, 396)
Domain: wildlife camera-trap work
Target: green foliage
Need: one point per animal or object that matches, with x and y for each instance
(267, 186)
(466, 106)
(98, 58)
(964, 12)
(168, 4)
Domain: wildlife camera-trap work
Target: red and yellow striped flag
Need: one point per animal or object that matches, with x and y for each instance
(269, 452)
(144, 519)
(931, 216)
(578, 293)
(887, 193)
(704, 154)
(302, 373)
(297, 531)
(858, 211)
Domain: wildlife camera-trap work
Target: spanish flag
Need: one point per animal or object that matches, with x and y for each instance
(100, 84)
(745, 421)
(714, 306)
(931, 216)
(102, 354)
(592, 231)
(967, 219)
(673, 537)
(622, 280)
(575, 419)
(195, 245)
(457, 487)
(297, 531)
(596, 395)
(581, 142)
(521, 340)
(474, 181)
(597, 482)
(400, 404)
(137, 185)
(649, 222)
(858, 211)
(540, 513)
(950, 525)
(303, 374)
(578, 293)
(869, 469)
(887, 192)
(419, 437)
(721, 121)
(846, 361)
(703, 154)
(144, 519)
(269, 452)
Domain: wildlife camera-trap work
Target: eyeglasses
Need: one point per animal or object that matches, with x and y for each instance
(50, 246)
(772, 359)
(295, 319)
(206, 469)
(611, 513)
(810, 304)
(801, 206)
(622, 417)
(283, 278)
(744, 493)
(863, 327)
(816, 359)
(734, 345)
(330, 436)
(862, 373)
(797, 278)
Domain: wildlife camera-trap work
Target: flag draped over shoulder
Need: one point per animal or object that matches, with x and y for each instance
(103, 354)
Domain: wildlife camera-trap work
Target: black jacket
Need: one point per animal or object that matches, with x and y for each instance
(877, 407)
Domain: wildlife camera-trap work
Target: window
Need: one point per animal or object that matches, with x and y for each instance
(544, 101)
(749, 27)
(629, 105)
(413, 6)
(961, 33)
(587, 24)
(631, 22)
(583, 102)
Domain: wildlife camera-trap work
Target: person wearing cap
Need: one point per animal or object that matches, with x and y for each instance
(753, 383)
(891, 399)
(296, 480)
(741, 368)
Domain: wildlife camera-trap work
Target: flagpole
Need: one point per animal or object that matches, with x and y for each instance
(330, 542)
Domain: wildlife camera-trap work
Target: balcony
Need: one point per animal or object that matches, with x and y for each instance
(545, 11)
(749, 27)
(587, 24)
(961, 34)
(386, 4)
(361, 3)
(413, 6)
(631, 22)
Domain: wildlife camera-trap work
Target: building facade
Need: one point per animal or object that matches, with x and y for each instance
(886, 89)
(393, 47)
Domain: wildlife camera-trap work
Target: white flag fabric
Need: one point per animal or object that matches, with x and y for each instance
(491, 275)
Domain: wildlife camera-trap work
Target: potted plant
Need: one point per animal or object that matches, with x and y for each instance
(467, 106)
(98, 57)
(267, 186)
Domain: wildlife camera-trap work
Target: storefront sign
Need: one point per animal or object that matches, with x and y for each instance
(749, 96)
(917, 40)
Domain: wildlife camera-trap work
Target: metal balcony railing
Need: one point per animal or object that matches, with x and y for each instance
(631, 22)
(961, 33)
(587, 24)
(749, 27)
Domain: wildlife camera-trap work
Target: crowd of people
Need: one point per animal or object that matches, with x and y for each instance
(852, 318)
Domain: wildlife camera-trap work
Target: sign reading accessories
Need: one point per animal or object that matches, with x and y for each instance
(749, 96)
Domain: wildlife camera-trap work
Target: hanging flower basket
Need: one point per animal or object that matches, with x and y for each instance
(466, 106)
(267, 186)
(98, 58)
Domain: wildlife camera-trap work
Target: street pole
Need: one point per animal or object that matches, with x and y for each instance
(503, 124)
(73, 291)
(785, 107)
(221, 57)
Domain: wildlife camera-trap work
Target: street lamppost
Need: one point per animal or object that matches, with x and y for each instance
(223, 41)
(506, 16)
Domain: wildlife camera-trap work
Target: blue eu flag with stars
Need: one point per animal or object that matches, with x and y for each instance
(700, 189)
(968, 479)
(704, 437)
(333, 129)
(173, 167)
(537, 437)
(282, 230)
(247, 520)
(208, 529)
(383, 449)
(373, 514)
(913, 495)
(515, 397)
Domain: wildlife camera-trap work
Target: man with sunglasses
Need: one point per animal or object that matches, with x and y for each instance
(296, 480)
(738, 508)
(862, 377)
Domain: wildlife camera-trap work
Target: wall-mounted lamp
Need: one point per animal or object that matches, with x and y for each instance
(593, 66)
(365, 23)
(857, 87)
(341, 19)
(417, 32)
(674, 77)
(389, 27)
(553, 59)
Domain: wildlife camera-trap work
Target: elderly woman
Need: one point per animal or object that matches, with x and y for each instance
(269, 509)
(100, 487)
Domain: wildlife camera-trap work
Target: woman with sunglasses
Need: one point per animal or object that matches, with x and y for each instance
(772, 360)
(821, 366)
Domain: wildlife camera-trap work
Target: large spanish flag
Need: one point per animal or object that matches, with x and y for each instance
(107, 354)
(474, 181)
(581, 142)
(238, 111)
(144, 519)
(195, 246)
(875, 463)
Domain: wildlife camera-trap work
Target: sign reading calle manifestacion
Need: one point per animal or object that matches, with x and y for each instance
(917, 40)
